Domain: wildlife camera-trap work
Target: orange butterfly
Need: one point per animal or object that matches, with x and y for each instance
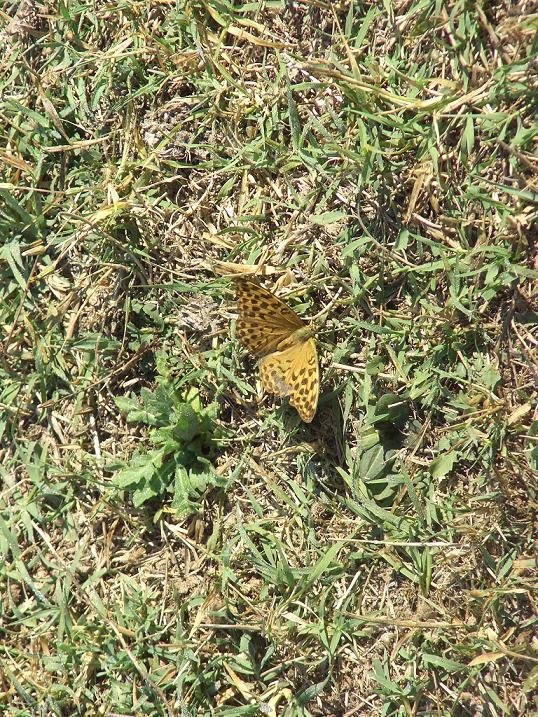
(289, 361)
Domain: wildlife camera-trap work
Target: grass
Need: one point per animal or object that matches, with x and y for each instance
(172, 544)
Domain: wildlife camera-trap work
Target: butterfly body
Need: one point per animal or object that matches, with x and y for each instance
(270, 329)
(302, 334)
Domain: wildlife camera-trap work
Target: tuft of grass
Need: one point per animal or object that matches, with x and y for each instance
(173, 543)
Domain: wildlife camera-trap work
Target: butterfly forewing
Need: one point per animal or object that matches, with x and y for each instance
(264, 320)
(259, 337)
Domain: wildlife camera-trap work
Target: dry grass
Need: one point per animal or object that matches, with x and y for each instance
(174, 543)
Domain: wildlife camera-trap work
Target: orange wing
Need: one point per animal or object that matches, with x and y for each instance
(264, 320)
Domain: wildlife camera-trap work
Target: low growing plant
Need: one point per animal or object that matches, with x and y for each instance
(182, 433)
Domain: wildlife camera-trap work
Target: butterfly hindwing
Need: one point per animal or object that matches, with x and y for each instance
(305, 381)
(294, 372)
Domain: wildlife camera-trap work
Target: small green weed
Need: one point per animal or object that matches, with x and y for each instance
(183, 433)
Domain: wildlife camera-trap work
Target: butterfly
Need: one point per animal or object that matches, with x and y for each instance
(269, 328)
